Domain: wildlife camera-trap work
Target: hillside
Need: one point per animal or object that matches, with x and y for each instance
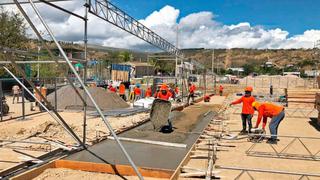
(304, 58)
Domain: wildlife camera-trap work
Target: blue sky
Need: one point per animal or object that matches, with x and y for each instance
(294, 16)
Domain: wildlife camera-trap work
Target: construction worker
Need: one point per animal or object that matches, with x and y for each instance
(131, 92)
(164, 93)
(273, 111)
(137, 92)
(122, 91)
(247, 109)
(148, 92)
(112, 89)
(192, 89)
(220, 90)
(16, 93)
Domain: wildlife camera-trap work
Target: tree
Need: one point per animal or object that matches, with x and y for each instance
(12, 33)
(125, 56)
(12, 30)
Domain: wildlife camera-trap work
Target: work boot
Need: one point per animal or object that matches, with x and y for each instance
(272, 141)
(243, 132)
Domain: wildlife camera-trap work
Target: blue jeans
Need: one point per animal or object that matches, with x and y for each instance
(274, 124)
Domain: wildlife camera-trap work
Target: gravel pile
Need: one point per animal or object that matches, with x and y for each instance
(68, 99)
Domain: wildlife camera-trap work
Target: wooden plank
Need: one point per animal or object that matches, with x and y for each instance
(123, 170)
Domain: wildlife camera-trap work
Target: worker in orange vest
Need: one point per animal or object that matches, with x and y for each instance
(137, 92)
(220, 90)
(164, 93)
(192, 89)
(148, 92)
(122, 91)
(247, 109)
(275, 112)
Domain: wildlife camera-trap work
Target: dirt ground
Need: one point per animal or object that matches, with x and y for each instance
(67, 174)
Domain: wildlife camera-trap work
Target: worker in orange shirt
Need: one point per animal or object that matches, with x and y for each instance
(148, 92)
(137, 92)
(247, 109)
(192, 89)
(122, 91)
(275, 112)
(221, 90)
(164, 93)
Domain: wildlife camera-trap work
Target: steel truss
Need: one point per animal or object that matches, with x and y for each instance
(282, 153)
(112, 14)
(9, 2)
(247, 171)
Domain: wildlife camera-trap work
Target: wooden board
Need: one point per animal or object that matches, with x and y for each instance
(123, 170)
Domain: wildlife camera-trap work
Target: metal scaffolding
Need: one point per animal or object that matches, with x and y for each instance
(248, 171)
(294, 141)
(112, 14)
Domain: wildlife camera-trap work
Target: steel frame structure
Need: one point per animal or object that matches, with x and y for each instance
(247, 171)
(112, 14)
(282, 153)
(82, 83)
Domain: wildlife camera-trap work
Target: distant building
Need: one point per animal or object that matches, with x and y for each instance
(236, 69)
(311, 73)
(291, 73)
(140, 69)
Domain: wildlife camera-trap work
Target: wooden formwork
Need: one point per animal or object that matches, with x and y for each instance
(122, 170)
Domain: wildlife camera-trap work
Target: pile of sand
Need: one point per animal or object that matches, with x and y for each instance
(277, 81)
(68, 99)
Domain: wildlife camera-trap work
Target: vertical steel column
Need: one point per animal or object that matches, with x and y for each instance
(85, 70)
(85, 89)
(1, 104)
(23, 103)
(55, 94)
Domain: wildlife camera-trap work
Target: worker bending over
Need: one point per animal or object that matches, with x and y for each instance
(247, 109)
(192, 89)
(273, 111)
(164, 93)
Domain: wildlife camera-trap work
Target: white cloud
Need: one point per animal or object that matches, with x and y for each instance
(195, 30)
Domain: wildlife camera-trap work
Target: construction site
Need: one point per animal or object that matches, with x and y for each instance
(185, 125)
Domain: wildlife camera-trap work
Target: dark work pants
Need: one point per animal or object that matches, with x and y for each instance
(191, 95)
(246, 118)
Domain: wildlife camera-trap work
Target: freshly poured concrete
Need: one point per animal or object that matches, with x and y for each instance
(147, 155)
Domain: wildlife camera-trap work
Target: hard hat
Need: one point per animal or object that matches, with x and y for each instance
(249, 88)
(256, 104)
(164, 87)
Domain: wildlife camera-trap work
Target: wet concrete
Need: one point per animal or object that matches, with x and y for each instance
(146, 155)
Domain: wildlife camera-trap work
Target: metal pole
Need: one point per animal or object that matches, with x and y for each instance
(41, 104)
(1, 104)
(85, 70)
(23, 105)
(86, 90)
(55, 94)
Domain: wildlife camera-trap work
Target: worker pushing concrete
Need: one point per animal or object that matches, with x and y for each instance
(273, 111)
(164, 93)
(247, 110)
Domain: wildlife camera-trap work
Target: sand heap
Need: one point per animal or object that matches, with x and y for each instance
(68, 99)
(277, 81)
